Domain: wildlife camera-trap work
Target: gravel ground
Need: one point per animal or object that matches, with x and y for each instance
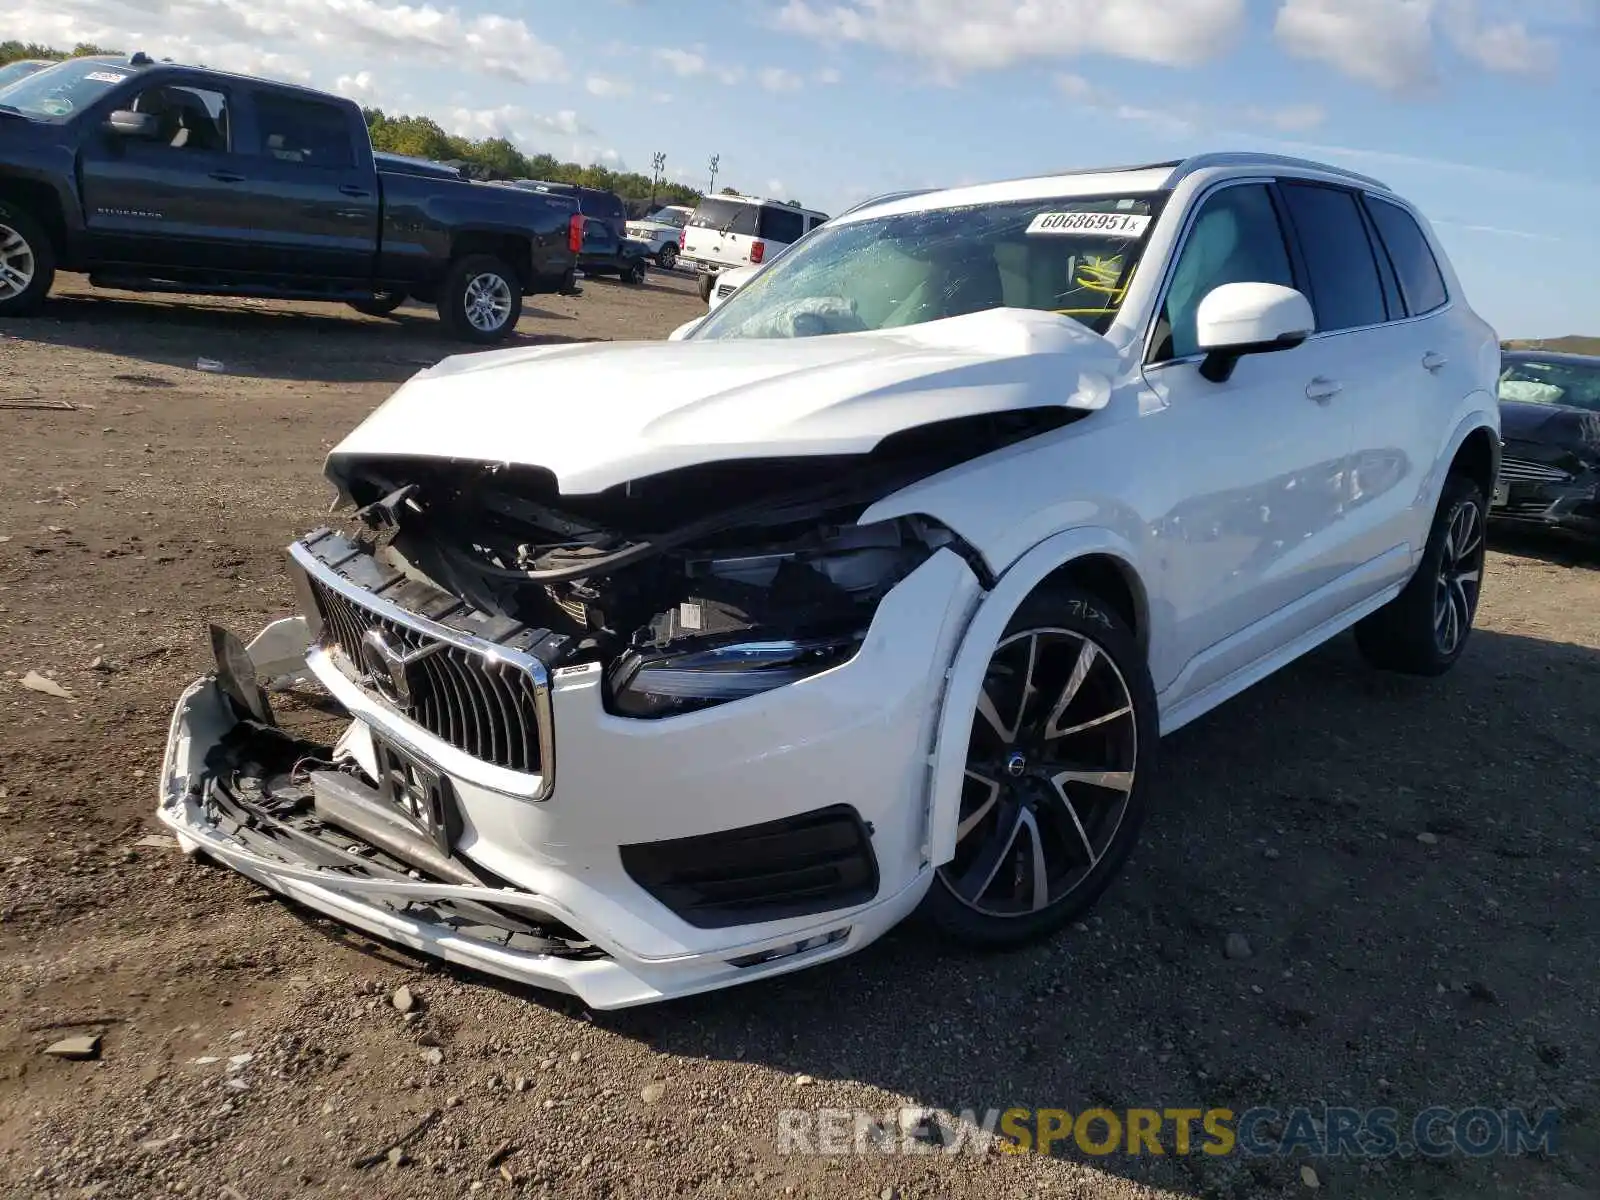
(1413, 865)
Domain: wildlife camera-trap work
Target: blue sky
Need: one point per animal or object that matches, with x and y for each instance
(1483, 112)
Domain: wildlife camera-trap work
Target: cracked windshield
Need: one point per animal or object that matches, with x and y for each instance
(1074, 257)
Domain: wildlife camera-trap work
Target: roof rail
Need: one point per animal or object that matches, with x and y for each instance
(1248, 158)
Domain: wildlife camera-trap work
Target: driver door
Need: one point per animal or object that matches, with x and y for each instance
(1250, 538)
(166, 202)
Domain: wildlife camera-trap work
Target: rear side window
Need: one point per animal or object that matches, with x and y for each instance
(601, 204)
(1421, 282)
(726, 216)
(813, 222)
(779, 224)
(1345, 289)
(303, 131)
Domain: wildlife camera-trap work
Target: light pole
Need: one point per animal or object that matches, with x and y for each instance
(658, 167)
(715, 159)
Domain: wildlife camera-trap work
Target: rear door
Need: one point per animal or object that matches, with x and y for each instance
(309, 189)
(1377, 368)
(167, 202)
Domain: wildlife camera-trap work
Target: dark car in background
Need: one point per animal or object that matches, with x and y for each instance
(594, 203)
(604, 253)
(157, 177)
(1550, 427)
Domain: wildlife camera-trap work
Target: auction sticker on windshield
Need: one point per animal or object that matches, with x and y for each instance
(1090, 224)
(105, 76)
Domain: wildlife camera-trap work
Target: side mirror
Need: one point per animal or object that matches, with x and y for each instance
(1249, 318)
(123, 123)
(684, 330)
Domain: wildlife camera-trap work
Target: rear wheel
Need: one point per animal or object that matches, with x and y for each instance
(1054, 790)
(481, 299)
(1424, 629)
(27, 263)
(707, 282)
(381, 304)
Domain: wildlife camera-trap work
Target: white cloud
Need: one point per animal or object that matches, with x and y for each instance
(1392, 44)
(1387, 43)
(515, 123)
(361, 86)
(776, 190)
(681, 62)
(1504, 46)
(599, 85)
(829, 75)
(274, 37)
(776, 79)
(973, 35)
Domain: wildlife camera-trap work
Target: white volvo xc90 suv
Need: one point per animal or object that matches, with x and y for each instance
(674, 665)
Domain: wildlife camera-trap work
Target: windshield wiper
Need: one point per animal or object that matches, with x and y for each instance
(9, 108)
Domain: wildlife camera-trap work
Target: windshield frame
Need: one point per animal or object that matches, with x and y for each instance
(800, 252)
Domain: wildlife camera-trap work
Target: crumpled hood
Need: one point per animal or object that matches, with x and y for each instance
(1562, 425)
(598, 415)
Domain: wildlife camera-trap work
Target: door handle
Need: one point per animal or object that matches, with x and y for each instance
(227, 177)
(1432, 360)
(1322, 389)
(350, 189)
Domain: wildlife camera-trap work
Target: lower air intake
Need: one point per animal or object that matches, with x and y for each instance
(795, 867)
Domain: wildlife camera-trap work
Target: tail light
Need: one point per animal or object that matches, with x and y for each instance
(575, 233)
(683, 238)
(758, 251)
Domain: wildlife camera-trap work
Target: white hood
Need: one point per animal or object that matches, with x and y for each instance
(601, 414)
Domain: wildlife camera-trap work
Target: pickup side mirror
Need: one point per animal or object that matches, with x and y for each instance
(124, 123)
(1249, 318)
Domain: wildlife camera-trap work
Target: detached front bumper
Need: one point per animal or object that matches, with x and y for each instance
(857, 735)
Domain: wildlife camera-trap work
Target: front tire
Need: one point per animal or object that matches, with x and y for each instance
(481, 299)
(1062, 744)
(1424, 629)
(667, 257)
(27, 263)
(634, 273)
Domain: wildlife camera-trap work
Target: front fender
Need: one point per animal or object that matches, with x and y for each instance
(964, 679)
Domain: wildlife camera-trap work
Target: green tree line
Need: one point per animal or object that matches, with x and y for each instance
(480, 158)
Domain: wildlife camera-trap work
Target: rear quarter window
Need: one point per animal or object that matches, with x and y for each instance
(779, 224)
(1421, 281)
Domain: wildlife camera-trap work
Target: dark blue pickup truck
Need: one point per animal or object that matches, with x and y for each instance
(155, 177)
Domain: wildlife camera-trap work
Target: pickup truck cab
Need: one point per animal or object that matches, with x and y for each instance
(156, 177)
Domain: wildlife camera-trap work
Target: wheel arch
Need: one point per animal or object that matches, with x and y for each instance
(515, 250)
(1478, 457)
(1097, 560)
(39, 201)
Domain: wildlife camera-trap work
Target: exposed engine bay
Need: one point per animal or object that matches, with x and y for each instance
(691, 587)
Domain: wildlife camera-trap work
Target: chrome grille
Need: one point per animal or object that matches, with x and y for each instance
(479, 706)
(475, 681)
(725, 290)
(1522, 470)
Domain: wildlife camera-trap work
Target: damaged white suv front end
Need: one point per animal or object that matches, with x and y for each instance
(674, 665)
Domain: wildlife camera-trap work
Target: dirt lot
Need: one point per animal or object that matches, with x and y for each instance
(1416, 866)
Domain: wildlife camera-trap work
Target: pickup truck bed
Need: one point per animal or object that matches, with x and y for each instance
(158, 177)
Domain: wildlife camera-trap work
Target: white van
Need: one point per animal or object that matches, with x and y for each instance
(740, 231)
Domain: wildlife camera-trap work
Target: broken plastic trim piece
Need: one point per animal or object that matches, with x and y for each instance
(236, 675)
